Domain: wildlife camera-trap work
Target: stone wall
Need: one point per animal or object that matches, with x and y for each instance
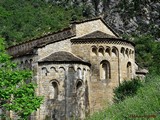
(118, 56)
(84, 28)
(28, 46)
(64, 45)
(65, 89)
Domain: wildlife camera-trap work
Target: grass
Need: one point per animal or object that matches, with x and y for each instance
(145, 105)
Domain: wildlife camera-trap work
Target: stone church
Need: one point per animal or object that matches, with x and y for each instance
(77, 68)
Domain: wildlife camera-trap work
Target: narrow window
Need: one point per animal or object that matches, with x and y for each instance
(123, 51)
(53, 90)
(101, 51)
(108, 51)
(94, 51)
(127, 52)
(105, 70)
(79, 85)
(114, 52)
(44, 71)
(129, 70)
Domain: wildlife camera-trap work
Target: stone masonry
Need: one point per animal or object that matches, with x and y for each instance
(76, 69)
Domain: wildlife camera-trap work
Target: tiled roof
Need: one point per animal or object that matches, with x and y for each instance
(97, 34)
(62, 56)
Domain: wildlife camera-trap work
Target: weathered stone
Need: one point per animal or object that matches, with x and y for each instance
(92, 61)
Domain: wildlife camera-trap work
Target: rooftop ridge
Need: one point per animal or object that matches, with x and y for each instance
(62, 56)
(95, 18)
(39, 37)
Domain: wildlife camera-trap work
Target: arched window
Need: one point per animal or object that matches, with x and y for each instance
(101, 51)
(105, 71)
(44, 71)
(78, 85)
(108, 51)
(127, 52)
(129, 70)
(123, 51)
(27, 64)
(130, 53)
(114, 52)
(53, 90)
(94, 51)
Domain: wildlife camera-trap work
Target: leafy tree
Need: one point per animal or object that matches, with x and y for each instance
(145, 47)
(15, 93)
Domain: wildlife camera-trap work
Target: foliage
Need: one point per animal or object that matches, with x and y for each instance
(15, 93)
(145, 47)
(144, 105)
(155, 67)
(146, 51)
(126, 89)
(25, 19)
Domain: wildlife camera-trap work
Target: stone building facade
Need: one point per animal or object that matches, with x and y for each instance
(76, 68)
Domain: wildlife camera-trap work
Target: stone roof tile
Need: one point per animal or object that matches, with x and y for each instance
(97, 34)
(62, 56)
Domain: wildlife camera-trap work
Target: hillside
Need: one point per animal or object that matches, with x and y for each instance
(136, 20)
(143, 106)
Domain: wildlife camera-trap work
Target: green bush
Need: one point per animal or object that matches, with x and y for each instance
(125, 89)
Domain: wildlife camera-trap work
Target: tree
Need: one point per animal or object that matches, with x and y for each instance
(15, 94)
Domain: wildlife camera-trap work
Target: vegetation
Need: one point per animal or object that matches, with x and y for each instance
(144, 105)
(126, 89)
(15, 93)
(25, 19)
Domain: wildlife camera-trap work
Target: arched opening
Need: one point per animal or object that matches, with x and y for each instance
(84, 74)
(108, 51)
(123, 51)
(101, 51)
(127, 52)
(105, 71)
(114, 52)
(129, 70)
(44, 71)
(79, 85)
(53, 90)
(27, 64)
(130, 53)
(94, 51)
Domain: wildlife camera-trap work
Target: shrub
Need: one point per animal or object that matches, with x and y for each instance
(125, 89)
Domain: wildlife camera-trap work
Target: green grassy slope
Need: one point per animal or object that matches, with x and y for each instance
(145, 105)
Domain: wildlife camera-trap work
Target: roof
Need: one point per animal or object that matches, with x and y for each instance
(23, 48)
(97, 34)
(62, 56)
(142, 71)
(95, 18)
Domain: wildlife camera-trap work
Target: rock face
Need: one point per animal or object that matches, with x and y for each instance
(76, 69)
(139, 17)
